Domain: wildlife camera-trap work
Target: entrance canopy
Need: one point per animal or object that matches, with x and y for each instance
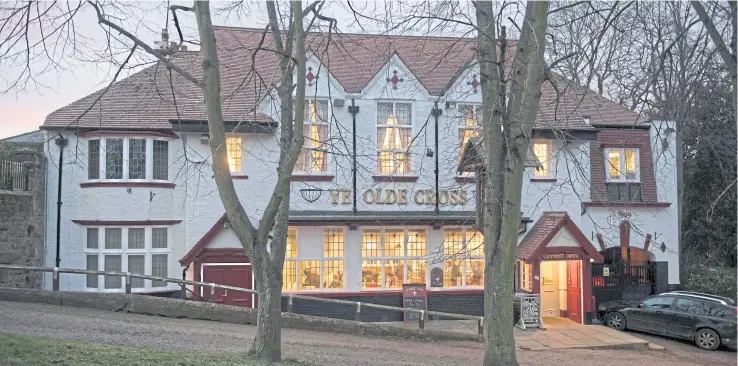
(555, 236)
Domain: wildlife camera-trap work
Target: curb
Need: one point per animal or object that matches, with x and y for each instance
(177, 308)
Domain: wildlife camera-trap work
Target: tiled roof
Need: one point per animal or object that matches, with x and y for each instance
(544, 230)
(144, 100)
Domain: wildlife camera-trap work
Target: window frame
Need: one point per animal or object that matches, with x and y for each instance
(546, 171)
(324, 149)
(124, 252)
(464, 257)
(240, 170)
(408, 151)
(321, 259)
(621, 169)
(526, 276)
(477, 128)
(102, 162)
(383, 257)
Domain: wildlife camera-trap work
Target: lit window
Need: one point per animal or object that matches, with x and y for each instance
(333, 243)
(314, 154)
(233, 146)
(394, 135)
(469, 127)
(526, 276)
(135, 250)
(622, 165)
(289, 275)
(542, 149)
(463, 250)
(392, 257)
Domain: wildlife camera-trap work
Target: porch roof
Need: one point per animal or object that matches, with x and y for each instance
(545, 229)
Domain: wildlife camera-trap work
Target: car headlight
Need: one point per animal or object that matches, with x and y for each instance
(602, 307)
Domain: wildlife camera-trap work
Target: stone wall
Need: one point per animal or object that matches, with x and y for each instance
(22, 217)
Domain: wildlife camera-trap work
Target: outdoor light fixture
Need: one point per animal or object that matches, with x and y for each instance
(429, 153)
(204, 139)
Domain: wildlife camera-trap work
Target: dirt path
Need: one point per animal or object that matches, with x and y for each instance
(321, 348)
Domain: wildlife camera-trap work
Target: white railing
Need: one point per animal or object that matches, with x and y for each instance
(127, 276)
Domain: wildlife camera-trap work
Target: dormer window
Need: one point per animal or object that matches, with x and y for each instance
(622, 165)
(469, 127)
(394, 133)
(314, 154)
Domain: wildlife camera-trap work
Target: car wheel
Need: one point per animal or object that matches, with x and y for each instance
(615, 321)
(707, 339)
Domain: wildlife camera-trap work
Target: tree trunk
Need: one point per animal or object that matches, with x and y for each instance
(506, 151)
(267, 343)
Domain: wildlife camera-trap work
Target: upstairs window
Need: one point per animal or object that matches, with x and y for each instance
(468, 125)
(114, 158)
(542, 149)
(128, 159)
(394, 134)
(622, 165)
(314, 154)
(234, 149)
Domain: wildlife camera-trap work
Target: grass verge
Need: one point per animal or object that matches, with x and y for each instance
(21, 350)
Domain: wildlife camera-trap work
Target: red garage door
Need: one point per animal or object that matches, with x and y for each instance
(237, 275)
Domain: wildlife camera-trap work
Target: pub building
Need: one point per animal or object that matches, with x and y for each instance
(384, 192)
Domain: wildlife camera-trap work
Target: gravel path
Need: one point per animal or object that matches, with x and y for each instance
(321, 348)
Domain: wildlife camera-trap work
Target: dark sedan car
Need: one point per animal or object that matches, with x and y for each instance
(707, 320)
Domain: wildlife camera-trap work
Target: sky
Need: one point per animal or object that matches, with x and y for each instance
(61, 77)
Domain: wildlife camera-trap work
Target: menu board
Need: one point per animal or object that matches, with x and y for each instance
(414, 296)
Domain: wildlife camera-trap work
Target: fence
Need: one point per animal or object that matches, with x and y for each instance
(423, 314)
(13, 176)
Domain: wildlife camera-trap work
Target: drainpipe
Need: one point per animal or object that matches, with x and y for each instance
(61, 142)
(436, 112)
(354, 110)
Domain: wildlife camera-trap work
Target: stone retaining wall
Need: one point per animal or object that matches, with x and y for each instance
(176, 308)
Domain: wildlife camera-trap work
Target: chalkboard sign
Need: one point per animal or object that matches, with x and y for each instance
(414, 296)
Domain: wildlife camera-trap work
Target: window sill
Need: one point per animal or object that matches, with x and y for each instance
(465, 179)
(396, 178)
(627, 204)
(543, 180)
(133, 184)
(127, 223)
(240, 177)
(312, 178)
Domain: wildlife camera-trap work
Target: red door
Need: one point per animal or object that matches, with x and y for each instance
(229, 275)
(573, 290)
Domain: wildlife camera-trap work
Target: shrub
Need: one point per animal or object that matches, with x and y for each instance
(713, 280)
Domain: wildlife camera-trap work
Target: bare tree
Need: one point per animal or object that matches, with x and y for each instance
(507, 130)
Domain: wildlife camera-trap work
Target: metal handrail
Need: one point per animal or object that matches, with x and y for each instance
(212, 286)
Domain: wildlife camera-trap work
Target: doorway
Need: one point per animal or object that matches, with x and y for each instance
(561, 289)
(230, 274)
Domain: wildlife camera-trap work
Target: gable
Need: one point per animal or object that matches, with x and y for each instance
(394, 80)
(563, 238)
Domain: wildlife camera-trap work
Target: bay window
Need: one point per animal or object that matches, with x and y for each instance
(314, 154)
(127, 159)
(468, 125)
(391, 257)
(622, 165)
(146, 251)
(394, 135)
(235, 150)
(463, 252)
(542, 150)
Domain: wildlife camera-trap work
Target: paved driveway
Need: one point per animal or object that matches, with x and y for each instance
(320, 348)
